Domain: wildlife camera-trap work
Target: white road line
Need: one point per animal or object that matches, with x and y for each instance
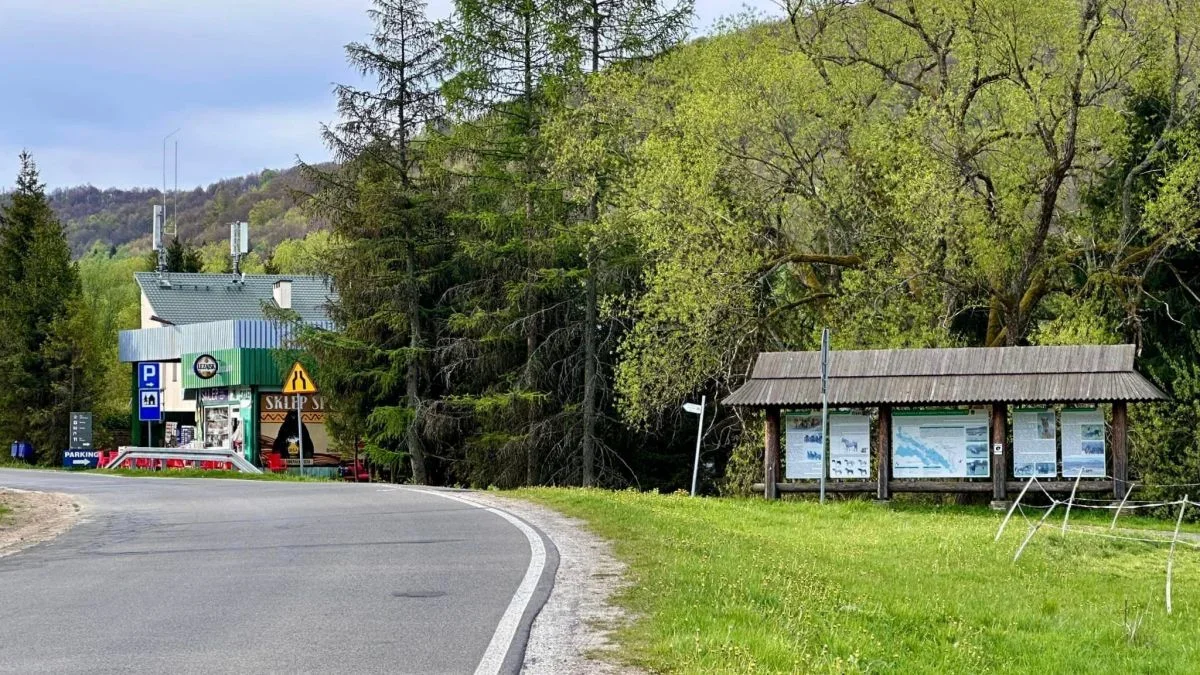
(506, 630)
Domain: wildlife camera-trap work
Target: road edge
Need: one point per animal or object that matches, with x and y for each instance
(506, 650)
(56, 515)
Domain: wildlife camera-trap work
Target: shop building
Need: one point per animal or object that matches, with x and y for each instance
(221, 369)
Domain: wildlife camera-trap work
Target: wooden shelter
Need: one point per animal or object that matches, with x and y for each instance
(995, 377)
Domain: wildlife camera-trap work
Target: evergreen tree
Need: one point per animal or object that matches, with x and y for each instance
(182, 256)
(389, 238)
(509, 59)
(606, 33)
(40, 375)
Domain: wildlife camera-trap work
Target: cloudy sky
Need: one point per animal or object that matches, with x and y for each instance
(91, 87)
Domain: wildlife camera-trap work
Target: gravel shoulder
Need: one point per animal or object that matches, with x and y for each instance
(34, 517)
(572, 633)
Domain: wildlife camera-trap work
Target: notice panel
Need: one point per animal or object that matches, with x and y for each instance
(804, 445)
(1083, 443)
(940, 444)
(1035, 443)
(849, 445)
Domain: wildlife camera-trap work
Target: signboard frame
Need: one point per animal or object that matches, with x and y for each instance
(970, 449)
(149, 409)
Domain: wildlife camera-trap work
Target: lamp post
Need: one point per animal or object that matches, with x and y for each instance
(697, 409)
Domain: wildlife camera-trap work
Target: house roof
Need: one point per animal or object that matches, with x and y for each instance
(199, 298)
(1083, 374)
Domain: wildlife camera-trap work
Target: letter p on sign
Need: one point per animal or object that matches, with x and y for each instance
(149, 376)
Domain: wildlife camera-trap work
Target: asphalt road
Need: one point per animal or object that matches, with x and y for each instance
(202, 575)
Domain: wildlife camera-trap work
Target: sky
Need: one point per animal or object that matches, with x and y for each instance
(92, 87)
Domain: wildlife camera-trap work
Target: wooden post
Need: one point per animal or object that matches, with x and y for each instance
(1120, 452)
(771, 455)
(999, 462)
(883, 452)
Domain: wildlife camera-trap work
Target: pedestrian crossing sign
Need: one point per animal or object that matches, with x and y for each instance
(298, 381)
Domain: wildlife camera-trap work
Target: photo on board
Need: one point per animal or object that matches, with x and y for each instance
(1046, 426)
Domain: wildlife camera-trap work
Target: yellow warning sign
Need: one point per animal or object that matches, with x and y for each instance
(298, 381)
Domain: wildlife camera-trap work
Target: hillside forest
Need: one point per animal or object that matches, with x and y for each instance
(550, 223)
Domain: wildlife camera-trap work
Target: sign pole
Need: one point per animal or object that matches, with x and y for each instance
(300, 429)
(699, 433)
(298, 383)
(824, 409)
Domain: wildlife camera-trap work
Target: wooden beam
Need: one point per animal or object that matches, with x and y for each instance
(883, 452)
(1120, 449)
(1062, 486)
(999, 462)
(771, 454)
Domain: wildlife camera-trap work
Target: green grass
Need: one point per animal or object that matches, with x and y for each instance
(201, 473)
(729, 585)
(3, 510)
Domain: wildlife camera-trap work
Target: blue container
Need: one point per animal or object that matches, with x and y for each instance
(24, 450)
(13, 450)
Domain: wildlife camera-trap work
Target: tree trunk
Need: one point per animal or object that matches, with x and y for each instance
(412, 435)
(590, 385)
(531, 453)
(589, 377)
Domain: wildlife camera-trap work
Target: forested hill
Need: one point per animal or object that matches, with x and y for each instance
(119, 217)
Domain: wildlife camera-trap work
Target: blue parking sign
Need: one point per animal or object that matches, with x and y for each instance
(149, 376)
(150, 405)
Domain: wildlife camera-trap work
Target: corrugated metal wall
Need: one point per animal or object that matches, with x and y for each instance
(235, 367)
(173, 342)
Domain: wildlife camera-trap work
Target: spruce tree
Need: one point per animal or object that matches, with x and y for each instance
(40, 374)
(605, 33)
(508, 59)
(389, 238)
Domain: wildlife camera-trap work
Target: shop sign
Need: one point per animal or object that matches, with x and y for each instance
(214, 395)
(205, 367)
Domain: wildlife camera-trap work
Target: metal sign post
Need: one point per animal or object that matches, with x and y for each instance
(693, 408)
(297, 383)
(824, 409)
(300, 429)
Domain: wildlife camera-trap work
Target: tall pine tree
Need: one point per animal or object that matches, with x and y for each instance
(605, 33)
(44, 372)
(390, 239)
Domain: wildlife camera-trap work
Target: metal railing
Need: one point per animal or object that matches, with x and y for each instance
(185, 454)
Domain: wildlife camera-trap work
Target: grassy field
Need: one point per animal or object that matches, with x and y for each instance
(725, 585)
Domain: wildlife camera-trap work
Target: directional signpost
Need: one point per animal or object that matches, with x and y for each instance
(81, 431)
(149, 397)
(81, 453)
(297, 383)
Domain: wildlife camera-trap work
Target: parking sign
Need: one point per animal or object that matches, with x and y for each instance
(149, 376)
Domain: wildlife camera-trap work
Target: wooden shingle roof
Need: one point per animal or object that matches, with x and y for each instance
(1080, 374)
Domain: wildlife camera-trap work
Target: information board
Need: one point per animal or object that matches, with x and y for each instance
(940, 444)
(804, 445)
(1035, 443)
(1083, 443)
(81, 431)
(849, 445)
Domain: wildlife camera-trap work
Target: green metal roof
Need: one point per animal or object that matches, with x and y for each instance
(189, 298)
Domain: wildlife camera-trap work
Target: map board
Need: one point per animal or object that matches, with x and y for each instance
(849, 445)
(1083, 443)
(940, 444)
(1035, 443)
(804, 445)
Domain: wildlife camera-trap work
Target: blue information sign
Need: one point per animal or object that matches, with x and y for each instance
(79, 459)
(149, 376)
(150, 405)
